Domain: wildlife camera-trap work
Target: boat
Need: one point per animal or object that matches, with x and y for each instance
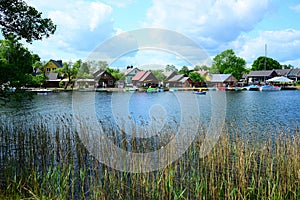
(253, 88)
(173, 89)
(236, 89)
(200, 92)
(160, 89)
(151, 90)
(270, 88)
(41, 91)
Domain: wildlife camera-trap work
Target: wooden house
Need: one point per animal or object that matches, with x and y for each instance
(221, 80)
(179, 81)
(103, 79)
(144, 78)
(260, 77)
(53, 65)
(129, 73)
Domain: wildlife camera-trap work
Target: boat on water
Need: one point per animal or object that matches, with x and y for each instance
(173, 89)
(200, 92)
(236, 89)
(151, 90)
(41, 91)
(270, 88)
(253, 88)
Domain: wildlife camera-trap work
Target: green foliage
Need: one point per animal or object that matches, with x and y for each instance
(17, 18)
(38, 80)
(158, 73)
(203, 67)
(184, 70)
(15, 62)
(228, 63)
(115, 73)
(265, 63)
(171, 68)
(196, 77)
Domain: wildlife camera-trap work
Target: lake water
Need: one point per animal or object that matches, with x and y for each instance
(249, 111)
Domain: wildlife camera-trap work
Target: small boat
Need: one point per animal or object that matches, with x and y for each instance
(200, 92)
(42, 91)
(151, 90)
(173, 89)
(270, 88)
(160, 90)
(253, 88)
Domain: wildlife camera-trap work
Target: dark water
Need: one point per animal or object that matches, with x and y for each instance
(249, 111)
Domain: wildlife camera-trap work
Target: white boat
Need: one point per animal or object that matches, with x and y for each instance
(269, 88)
(253, 88)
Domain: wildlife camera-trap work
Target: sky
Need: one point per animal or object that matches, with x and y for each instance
(246, 26)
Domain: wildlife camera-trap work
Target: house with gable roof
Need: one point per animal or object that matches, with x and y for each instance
(179, 81)
(129, 73)
(259, 77)
(221, 80)
(144, 78)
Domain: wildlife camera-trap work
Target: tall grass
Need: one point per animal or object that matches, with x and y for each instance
(41, 157)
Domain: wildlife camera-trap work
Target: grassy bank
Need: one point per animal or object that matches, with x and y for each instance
(42, 158)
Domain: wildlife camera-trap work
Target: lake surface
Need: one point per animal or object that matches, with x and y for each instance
(251, 112)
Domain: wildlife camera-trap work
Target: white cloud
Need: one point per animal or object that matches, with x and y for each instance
(296, 8)
(81, 26)
(208, 22)
(282, 45)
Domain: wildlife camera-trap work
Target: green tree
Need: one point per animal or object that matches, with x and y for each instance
(16, 62)
(115, 73)
(196, 77)
(158, 73)
(70, 71)
(265, 63)
(228, 63)
(184, 70)
(171, 68)
(17, 18)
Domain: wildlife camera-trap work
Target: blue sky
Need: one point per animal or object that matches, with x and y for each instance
(242, 25)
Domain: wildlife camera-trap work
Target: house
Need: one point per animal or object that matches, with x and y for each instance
(261, 76)
(221, 80)
(129, 73)
(85, 83)
(169, 75)
(103, 79)
(179, 81)
(144, 78)
(294, 74)
(53, 65)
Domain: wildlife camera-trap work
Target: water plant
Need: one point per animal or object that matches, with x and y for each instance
(42, 157)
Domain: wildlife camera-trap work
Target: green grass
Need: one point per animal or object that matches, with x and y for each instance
(41, 157)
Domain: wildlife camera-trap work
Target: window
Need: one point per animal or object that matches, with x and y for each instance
(48, 69)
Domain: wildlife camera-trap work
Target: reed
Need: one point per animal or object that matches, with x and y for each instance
(42, 157)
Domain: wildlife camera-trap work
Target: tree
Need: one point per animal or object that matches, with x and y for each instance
(265, 63)
(184, 70)
(171, 68)
(115, 73)
(16, 62)
(228, 63)
(17, 18)
(70, 71)
(158, 73)
(196, 77)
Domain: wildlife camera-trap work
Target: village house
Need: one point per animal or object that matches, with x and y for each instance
(129, 73)
(179, 81)
(221, 80)
(144, 78)
(103, 79)
(260, 77)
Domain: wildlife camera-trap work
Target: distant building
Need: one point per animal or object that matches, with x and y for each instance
(103, 79)
(221, 80)
(144, 78)
(179, 81)
(53, 65)
(129, 73)
(260, 77)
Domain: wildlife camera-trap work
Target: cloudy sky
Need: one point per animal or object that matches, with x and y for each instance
(245, 26)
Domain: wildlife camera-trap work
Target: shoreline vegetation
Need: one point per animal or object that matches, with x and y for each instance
(42, 157)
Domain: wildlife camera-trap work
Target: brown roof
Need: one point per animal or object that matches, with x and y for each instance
(261, 73)
(139, 75)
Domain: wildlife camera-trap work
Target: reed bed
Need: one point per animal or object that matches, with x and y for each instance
(42, 157)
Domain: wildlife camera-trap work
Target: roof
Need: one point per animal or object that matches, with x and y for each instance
(261, 73)
(128, 70)
(202, 72)
(139, 75)
(294, 73)
(221, 78)
(58, 63)
(282, 72)
(176, 78)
